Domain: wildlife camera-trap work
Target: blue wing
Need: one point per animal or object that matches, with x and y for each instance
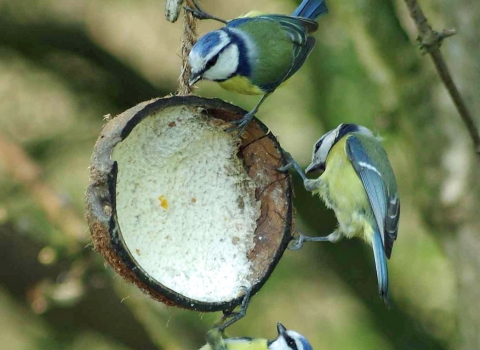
(311, 9)
(383, 197)
(297, 30)
(301, 53)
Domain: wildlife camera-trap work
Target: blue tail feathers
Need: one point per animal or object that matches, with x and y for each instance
(381, 266)
(311, 9)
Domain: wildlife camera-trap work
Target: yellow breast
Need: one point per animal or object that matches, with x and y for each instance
(343, 191)
(241, 85)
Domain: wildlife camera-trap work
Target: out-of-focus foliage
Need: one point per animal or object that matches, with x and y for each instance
(65, 64)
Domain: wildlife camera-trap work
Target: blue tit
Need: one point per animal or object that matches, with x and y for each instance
(254, 54)
(358, 183)
(286, 340)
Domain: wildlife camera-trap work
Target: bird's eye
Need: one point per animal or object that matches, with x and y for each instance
(291, 344)
(211, 62)
(317, 145)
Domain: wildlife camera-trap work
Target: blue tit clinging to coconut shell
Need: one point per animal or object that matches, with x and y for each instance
(356, 181)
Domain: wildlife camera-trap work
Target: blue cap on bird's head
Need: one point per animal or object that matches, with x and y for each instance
(213, 57)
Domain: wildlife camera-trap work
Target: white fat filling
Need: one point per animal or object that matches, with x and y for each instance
(186, 207)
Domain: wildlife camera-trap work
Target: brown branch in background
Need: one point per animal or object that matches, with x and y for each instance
(59, 214)
(431, 41)
(188, 40)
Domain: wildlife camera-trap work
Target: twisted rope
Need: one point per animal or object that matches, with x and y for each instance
(189, 38)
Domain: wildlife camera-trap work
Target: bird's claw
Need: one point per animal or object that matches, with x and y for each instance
(235, 316)
(198, 13)
(289, 163)
(241, 124)
(297, 242)
(292, 163)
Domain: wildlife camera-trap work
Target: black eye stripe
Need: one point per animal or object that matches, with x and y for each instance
(212, 62)
(291, 343)
(318, 144)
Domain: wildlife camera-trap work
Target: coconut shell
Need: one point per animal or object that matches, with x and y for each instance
(262, 156)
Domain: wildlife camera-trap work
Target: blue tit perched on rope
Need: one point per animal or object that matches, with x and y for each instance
(256, 53)
(286, 340)
(358, 183)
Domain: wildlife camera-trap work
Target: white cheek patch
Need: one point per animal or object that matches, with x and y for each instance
(326, 146)
(226, 65)
(279, 344)
(206, 48)
(196, 62)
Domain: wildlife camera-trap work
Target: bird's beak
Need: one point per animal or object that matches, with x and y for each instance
(280, 329)
(314, 167)
(194, 78)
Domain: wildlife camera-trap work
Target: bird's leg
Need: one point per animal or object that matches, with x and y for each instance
(292, 163)
(300, 239)
(309, 184)
(312, 184)
(215, 339)
(198, 13)
(230, 317)
(247, 118)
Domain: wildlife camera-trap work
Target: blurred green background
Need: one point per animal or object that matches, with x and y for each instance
(65, 64)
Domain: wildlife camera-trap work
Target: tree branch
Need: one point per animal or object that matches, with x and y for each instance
(431, 41)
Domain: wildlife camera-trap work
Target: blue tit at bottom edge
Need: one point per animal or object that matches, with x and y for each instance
(359, 184)
(256, 53)
(286, 340)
